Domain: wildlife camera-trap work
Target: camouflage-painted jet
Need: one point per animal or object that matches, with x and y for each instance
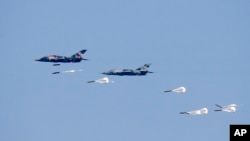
(121, 72)
(63, 59)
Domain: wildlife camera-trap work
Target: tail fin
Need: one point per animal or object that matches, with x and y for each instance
(218, 105)
(144, 67)
(79, 54)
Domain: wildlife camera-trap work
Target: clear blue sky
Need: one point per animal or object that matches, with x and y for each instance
(202, 45)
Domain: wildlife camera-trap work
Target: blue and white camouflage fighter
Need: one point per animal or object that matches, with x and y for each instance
(143, 70)
(76, 58)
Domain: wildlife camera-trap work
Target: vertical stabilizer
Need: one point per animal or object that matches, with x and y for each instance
(79, 55)
(144, 67)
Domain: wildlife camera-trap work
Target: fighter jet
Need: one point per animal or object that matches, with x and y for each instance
(177, 90)
(229, 108)
(121, 72)
(104, 80)
(197, 112)
(63, 59)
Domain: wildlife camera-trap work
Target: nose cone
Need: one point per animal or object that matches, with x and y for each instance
(43, 59)
(106, 73)
(38, 59)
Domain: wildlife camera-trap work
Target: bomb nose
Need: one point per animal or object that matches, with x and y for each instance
(104, 73)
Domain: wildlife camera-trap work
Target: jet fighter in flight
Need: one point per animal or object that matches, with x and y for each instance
(143, 70)
(63, 59)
